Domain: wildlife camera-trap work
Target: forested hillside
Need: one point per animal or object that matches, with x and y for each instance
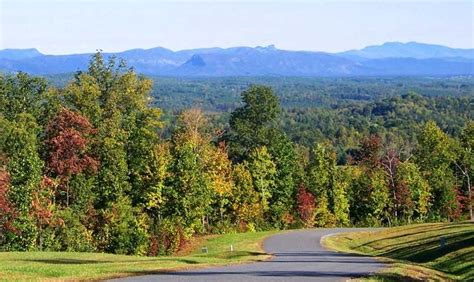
(222, 94)
(96, 166)
(396, 119)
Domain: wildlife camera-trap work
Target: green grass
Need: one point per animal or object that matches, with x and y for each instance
(413, 252)
(34, 266)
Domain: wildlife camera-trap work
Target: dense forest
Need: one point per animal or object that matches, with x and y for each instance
(95, 165)
(222, 94)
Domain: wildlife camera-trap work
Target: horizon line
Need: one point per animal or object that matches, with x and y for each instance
(230, 47)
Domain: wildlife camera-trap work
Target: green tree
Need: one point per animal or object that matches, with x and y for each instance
(340, 187)
(126, 229)
(84, 95)
(465, 162)
(435, 155)
(253, 125)
(320, 173)
(24, 167)
(287, 176)
(263, 171)
(368, 195)
(24, 163)
(188, 194)
(147, 167)
(116, 100)
(22, 94)
(152, 195)
(218, 169)
(379, 196)
(113, 178)
(409, 174)
(246, 204)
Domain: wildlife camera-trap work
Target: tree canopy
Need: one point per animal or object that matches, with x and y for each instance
(95, 166)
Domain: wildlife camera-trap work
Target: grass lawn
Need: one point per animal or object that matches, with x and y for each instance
(34, 266)
(414, 252)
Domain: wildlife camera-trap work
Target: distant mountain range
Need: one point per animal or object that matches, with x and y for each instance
(409, 50)
(389, 59)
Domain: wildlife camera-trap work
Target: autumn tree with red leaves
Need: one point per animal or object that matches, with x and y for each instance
(68, 137)
(7, 211)
(369, 152)
(306, 205)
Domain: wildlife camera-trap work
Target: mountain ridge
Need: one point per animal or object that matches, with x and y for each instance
(391, 58)
(410, 49)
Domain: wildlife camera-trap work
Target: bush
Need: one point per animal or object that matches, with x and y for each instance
(72, 235)
(323, 216)
(169, 236)
(48, 240)
(126, 229)
(223, 227)
(22, 236)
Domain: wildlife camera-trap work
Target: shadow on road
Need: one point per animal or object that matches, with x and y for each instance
(272, 273)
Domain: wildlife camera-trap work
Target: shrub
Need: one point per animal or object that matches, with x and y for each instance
(126, 229)
(169, 236)
(323, 216)
(23, 235)
(73, 236)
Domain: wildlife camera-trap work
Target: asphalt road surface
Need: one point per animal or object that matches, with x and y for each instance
(298, 256)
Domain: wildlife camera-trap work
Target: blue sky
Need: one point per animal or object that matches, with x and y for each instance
(78, 26)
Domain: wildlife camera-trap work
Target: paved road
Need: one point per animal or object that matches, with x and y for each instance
(298, 256)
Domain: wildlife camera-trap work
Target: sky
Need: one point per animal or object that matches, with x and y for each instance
(82, 26)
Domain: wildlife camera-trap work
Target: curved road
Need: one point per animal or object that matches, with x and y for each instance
(298, 256)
